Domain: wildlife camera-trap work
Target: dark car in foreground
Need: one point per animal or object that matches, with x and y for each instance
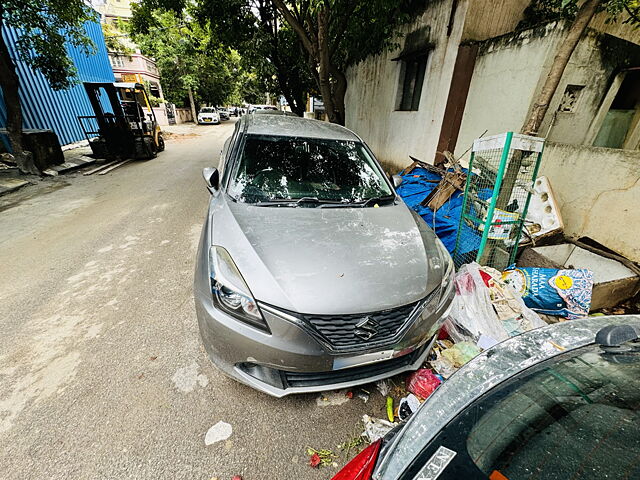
(311, 273)
(559, 402)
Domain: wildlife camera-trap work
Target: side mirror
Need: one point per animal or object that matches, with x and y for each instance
(212, 178)
(397, 180)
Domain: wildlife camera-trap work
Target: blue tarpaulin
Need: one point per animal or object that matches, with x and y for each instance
(414, 189)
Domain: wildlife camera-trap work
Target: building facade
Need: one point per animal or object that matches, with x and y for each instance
(131, 66)
(48, 109)
(463, 70)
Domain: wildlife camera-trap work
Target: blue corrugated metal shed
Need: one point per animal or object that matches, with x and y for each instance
(42, 107)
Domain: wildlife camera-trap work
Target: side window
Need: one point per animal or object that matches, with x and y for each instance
(412, 74)
(227, 157)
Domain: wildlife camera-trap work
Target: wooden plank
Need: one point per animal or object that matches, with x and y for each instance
(113, 167)
(101, 167)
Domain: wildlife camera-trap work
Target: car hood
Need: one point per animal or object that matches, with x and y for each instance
(328, 260)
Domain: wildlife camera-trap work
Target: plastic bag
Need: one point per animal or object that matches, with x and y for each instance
(472, 310)
(485, 305)
(566, 293)
(461, 353)
(408, 406)
(375, 428)
(422, 382)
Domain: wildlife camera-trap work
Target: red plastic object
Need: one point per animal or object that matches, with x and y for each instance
(315, 460)
(422, 382)
(362, 465)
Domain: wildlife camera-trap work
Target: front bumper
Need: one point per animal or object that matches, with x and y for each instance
(208, 120)
(292, 360)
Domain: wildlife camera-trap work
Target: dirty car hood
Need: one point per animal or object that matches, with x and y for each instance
(328, 260)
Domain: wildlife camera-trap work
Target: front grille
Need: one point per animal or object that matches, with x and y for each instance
(341, 330)
(354, 374)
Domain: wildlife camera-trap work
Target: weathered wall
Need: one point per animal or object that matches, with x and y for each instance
(598, 190)
(509, 74)
(490, 18)
(373, 89)
(506, 75)
(183, 115)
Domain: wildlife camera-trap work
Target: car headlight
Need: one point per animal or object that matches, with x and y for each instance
(230, 292)
(446, 261)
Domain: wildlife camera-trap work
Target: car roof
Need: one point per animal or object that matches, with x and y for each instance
(489, 369)
(275, 112)
(294, 126)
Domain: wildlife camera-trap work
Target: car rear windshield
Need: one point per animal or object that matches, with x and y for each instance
(576, 417)
(272, 168)
(208, 110)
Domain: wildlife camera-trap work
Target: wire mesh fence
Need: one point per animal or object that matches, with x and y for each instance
(502, 172)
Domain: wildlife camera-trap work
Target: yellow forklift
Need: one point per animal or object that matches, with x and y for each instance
(124, 125)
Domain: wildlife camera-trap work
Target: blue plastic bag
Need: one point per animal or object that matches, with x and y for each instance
(565, 293)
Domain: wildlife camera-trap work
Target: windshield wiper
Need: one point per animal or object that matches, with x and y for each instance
(275, 203)
(297, 202)
(374, 200)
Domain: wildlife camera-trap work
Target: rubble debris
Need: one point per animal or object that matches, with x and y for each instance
(566, 293)
(375, 428)
(450, 183)
(422, 383)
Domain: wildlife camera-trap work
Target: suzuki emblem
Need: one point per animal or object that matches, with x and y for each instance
(366, 328)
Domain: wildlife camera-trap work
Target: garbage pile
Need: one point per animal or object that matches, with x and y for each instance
(489, 307)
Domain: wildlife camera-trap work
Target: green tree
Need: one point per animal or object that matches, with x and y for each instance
(46, 27)
(339, 33)
(194, 69)
(271, 48)
(331, 36)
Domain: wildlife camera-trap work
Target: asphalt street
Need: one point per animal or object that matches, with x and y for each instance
(102, 373)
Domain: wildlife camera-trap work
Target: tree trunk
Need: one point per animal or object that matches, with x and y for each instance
(339, 92)
(193, 106)
(540, 107)
(325, 66)
(9, 82)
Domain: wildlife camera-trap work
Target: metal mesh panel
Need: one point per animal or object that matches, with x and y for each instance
(502, 171)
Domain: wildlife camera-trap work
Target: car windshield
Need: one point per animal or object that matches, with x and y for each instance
(208, 110)
(277, 168)
(577, 416)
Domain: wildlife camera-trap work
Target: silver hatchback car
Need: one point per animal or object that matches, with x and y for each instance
(311, 273)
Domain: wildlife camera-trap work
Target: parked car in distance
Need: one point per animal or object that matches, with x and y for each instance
(255, 108)
(558, 402)
(311, 273)
(208, 115)
(224, 113)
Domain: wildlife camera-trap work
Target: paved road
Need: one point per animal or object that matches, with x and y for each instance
(102, 374)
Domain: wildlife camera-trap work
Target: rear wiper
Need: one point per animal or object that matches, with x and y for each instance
(374, 200)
